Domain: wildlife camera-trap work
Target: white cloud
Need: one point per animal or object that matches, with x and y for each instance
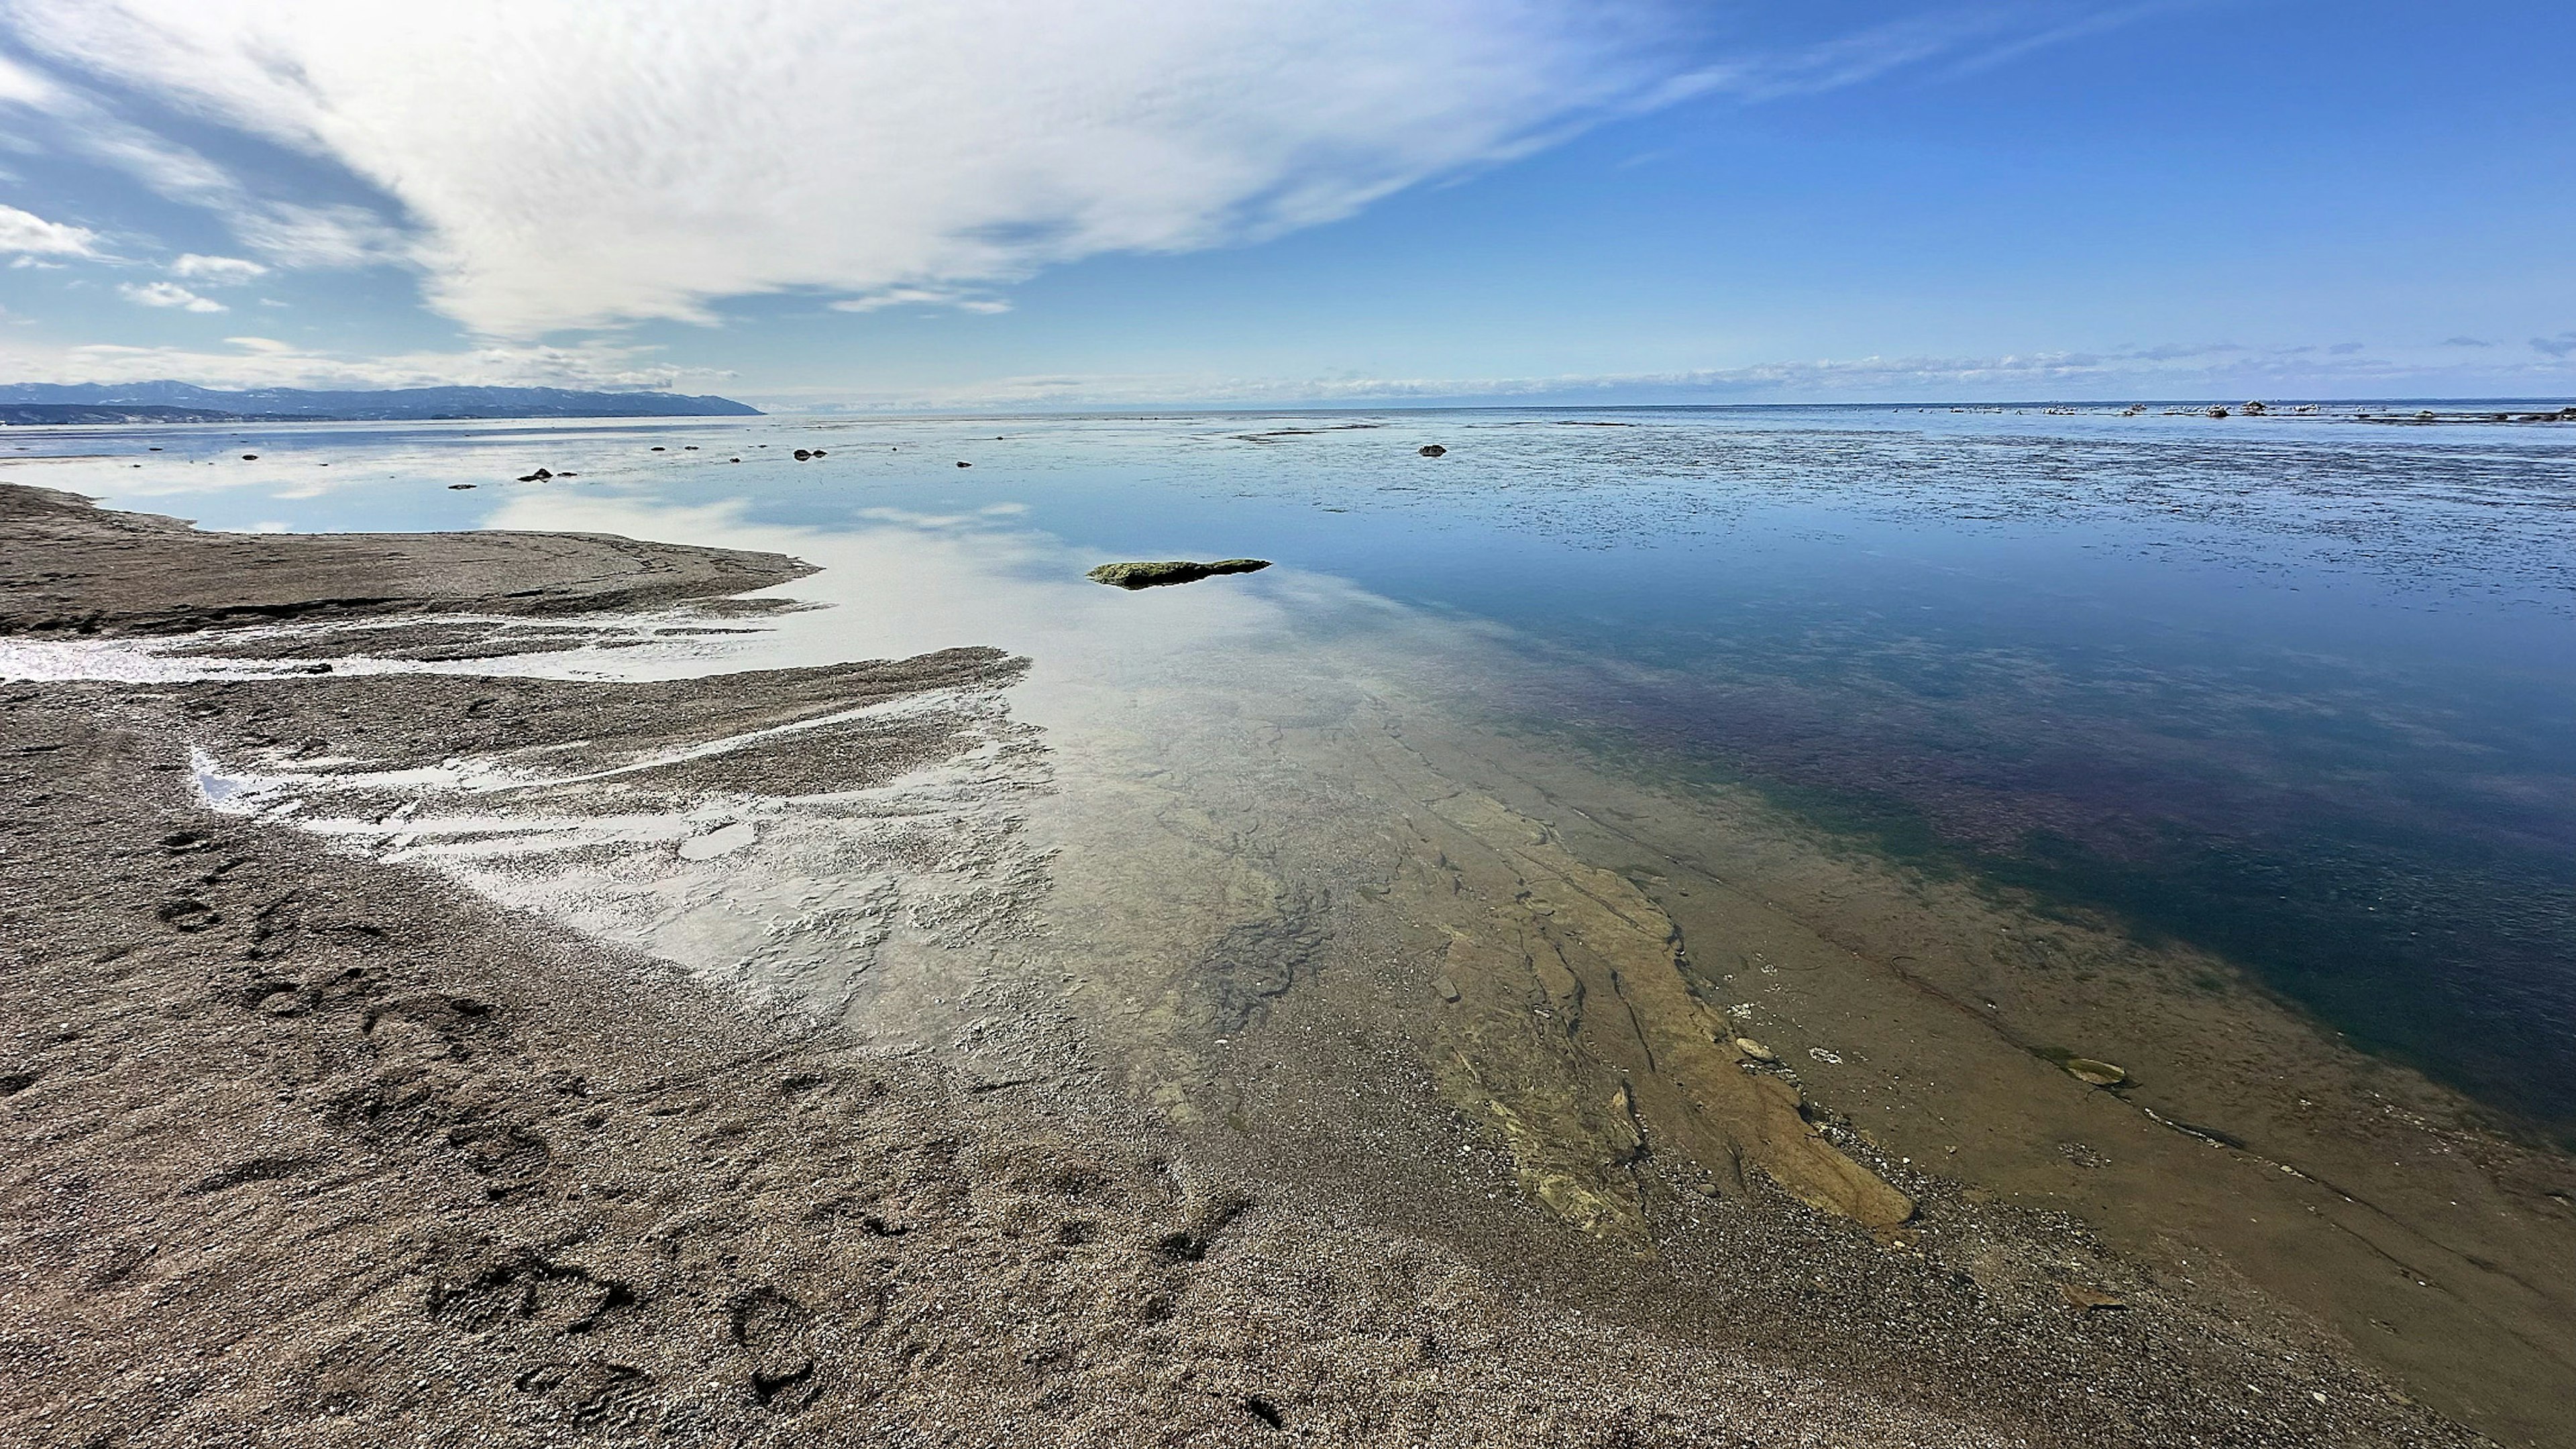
(168, 294)
(26, 233)
(922, 297)
(571, 164)
(223, 271)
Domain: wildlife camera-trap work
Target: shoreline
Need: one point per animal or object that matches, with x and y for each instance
(1106, 1274)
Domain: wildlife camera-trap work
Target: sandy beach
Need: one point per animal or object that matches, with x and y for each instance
(815, 1054)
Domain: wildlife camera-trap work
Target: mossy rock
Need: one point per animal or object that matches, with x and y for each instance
(1170, 571)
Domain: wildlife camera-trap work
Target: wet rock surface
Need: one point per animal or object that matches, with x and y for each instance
(76, 569)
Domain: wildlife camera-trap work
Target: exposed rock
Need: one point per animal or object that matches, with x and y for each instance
(2078, 1296)
(803, 454)
(2254, 410)
(1432, 450)
(2217, 412)
(1170, 571)
(1756, 1050)
(1447, 988)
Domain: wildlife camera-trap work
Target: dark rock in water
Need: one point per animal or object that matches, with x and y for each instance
(250, 457)
(1433, 450)
(538, 476)
(1171, 571)
(453, 486)
(2254, 410)
(802, 455)
(965, 465)
(818, 452)
(2217, 412)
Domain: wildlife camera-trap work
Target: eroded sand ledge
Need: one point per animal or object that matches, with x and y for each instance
(307, 1145)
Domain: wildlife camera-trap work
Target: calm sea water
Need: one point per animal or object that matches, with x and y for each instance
(2301, 691)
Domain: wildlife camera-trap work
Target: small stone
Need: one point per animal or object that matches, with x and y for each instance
(1448, 989)
(250, 457)
(2088, 1299)
(964, 464)
(1433, 450)
(1755, 1049)
(802, 455)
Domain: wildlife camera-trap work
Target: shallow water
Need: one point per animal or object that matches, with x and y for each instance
(2300, 692)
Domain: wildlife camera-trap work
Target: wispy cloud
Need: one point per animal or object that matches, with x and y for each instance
(2559, 346)
(28, 234)
(556, 164)
(168, 294)
(963, 301)
(221, 271)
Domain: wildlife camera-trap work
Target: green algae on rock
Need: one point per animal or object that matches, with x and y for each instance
(1171, 571)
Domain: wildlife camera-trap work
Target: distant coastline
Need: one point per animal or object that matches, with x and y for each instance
(36, 404)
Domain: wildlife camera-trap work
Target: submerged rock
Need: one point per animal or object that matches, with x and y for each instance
(1170, 571)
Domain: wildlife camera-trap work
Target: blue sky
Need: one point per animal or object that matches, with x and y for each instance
(1008, 203)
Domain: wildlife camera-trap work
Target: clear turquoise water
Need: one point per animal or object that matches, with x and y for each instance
(2299, 691)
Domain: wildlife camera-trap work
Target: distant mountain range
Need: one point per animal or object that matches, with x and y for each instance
(179, 402)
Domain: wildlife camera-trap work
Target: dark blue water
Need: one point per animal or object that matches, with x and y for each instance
(2299, 691)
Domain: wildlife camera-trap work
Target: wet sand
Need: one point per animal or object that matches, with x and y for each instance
(1072, 1107)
